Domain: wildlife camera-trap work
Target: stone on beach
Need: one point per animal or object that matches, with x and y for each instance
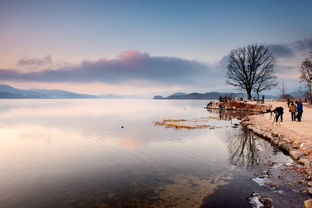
(308, 203)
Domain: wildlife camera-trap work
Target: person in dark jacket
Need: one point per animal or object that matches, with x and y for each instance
(299, 110)
(288, 102)
(279, 111)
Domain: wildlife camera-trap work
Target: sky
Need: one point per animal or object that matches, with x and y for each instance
(145, 47)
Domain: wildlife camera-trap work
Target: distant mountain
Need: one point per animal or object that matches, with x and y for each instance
(204, 96)
(61, 94)
(178, 94)
(7, 91)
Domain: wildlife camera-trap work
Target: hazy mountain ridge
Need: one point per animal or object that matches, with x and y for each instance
(7, 91)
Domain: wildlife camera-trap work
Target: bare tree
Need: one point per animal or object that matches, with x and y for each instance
(266, 82)
(306, 73)
(251, 67)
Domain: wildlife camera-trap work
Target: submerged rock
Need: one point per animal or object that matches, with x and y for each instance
(255, 202)
(258, 201)
(263, 181)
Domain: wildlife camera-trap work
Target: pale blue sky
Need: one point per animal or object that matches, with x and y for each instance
(75, 30)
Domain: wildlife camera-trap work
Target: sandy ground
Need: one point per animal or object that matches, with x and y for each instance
(303, 128)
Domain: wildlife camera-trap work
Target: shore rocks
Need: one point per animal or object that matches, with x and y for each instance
(296, 154)
(304, 160)
(295, 148)
(308, 203)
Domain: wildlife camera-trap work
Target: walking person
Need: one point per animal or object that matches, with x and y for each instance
(292, 110)
(299, 110)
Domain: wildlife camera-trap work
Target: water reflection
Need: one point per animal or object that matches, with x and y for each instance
(74, 153)
(228, 115)
(243, 150)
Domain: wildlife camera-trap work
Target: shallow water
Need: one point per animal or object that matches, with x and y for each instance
(75, 153)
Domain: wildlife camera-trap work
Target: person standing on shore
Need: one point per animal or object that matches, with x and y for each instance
(288, 102)
(299, 110)
(292, 110)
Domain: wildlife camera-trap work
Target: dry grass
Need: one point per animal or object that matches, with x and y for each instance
(183, 126)
(174, 120)
(175, 123)
(204, 119)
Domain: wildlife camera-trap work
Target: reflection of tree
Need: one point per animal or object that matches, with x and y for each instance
(243, 150)
(228, 115)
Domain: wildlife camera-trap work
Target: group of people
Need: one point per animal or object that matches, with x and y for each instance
(296, 109)
(225, 99)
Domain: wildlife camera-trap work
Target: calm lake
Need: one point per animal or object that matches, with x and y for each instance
(75, 153)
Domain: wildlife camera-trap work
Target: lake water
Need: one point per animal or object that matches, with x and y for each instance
(75, 153)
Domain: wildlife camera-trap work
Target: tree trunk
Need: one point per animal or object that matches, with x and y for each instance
(257, 95)
(248, 92)
(310, 91)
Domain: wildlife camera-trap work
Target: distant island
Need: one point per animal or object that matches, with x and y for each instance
(203, 96)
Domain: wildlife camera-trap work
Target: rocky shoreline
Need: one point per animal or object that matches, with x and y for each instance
(294, 146)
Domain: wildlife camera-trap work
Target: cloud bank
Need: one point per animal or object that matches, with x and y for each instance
(37, 62)
(292, 50)
(129, 66)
